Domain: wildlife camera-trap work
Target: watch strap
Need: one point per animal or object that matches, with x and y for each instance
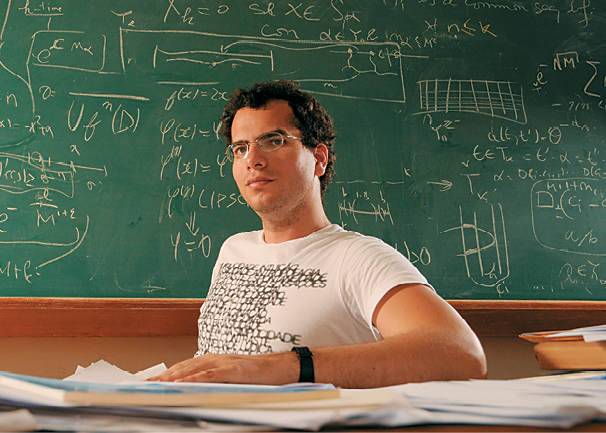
(307, 364)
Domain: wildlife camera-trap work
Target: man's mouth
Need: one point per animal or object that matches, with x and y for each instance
(258, 181)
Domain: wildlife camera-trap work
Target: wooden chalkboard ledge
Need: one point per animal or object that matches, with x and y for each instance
(510, 318)
(109, 317)
(98, 317)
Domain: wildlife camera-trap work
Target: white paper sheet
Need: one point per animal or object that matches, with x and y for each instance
(589, 333)
(104, 372)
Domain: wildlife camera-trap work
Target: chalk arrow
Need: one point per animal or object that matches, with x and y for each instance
(444, 184)
(192, 224)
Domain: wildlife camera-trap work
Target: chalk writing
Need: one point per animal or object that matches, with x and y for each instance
(586, 275)
(360, 204)
(563, 215)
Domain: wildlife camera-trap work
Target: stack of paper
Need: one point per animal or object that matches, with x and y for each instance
(556, 403)
(553, 403)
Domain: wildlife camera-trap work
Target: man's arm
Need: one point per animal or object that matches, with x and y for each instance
(425, 339)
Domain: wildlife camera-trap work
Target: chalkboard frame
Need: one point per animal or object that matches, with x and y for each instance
(121, 317)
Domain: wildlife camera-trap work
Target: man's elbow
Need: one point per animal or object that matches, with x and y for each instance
(474, 362)
(478, 368)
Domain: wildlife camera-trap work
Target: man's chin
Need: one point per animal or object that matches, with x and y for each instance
(265, 206)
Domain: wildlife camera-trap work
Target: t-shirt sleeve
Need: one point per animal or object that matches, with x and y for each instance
(371, 268)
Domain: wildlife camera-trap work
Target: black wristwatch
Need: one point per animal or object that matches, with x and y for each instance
(307, 364)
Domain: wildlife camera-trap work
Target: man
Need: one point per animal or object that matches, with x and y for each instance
(367, 316)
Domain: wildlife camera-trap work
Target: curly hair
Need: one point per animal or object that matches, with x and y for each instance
(311, 119)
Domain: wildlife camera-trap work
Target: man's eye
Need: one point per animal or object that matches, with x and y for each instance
(273, 141)
(239, 149)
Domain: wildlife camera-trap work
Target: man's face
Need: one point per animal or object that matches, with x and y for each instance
(280, 183)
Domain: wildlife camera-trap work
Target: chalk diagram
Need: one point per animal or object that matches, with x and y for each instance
(485, 249)
(35, 174)
(565, 213)
(364, 70)
(502, 99)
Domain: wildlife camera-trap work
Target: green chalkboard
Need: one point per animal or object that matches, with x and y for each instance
(471, 137)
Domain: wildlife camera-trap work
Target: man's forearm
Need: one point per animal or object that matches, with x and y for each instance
(400, 359)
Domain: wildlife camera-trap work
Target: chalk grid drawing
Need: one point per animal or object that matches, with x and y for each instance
(502, 99)
(485, 250)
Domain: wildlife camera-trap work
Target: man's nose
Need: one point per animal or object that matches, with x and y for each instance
(255, 156)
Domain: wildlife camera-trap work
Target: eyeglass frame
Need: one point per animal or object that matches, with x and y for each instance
(256, 141)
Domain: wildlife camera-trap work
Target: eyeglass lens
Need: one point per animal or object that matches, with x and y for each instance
(267, 143)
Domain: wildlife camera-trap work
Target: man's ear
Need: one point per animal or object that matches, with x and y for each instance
(321, 155)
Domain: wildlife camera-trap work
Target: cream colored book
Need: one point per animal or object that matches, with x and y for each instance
(572, 349)
(571, 355)
(164, 393)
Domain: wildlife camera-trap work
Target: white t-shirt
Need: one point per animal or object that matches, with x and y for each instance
(320, 290)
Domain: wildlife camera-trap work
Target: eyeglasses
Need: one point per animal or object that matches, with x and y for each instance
(267, 143)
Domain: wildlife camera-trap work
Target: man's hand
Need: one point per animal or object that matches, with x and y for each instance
(274, 369)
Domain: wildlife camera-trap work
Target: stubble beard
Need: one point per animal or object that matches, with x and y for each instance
(281, 213)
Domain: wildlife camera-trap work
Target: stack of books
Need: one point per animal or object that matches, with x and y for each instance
(574, 349)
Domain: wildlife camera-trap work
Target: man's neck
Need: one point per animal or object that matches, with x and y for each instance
(278, 231)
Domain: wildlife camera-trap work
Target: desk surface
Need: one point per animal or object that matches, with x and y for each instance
(589, 427)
